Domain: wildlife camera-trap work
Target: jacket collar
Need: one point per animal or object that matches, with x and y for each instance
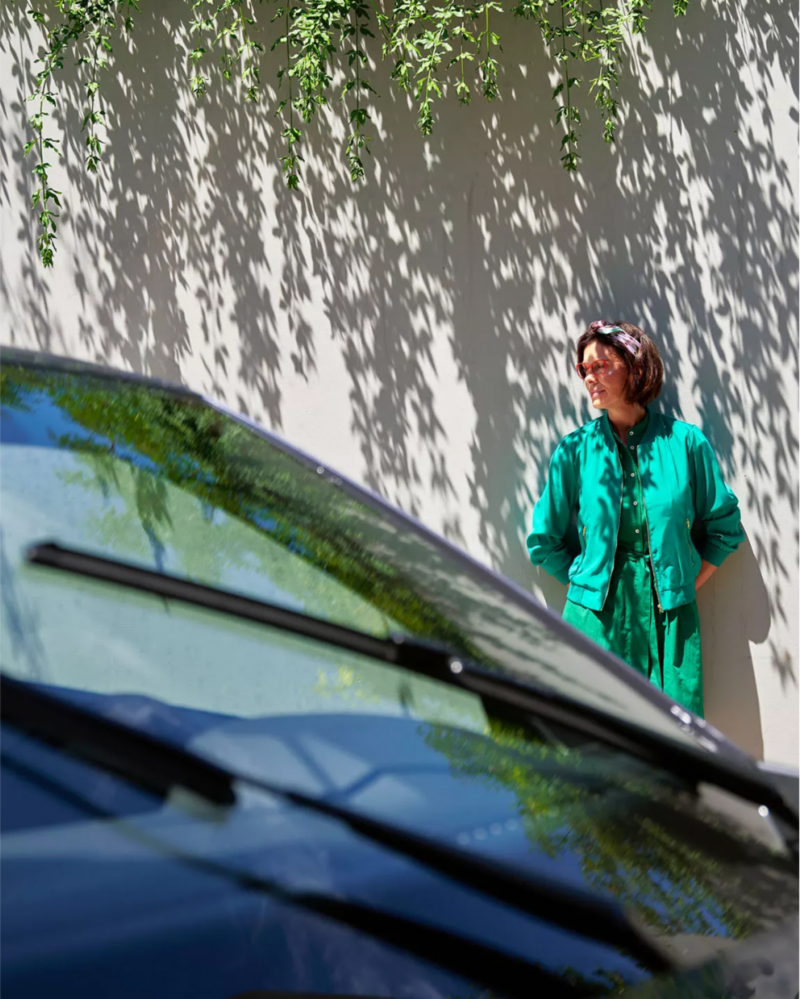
(610, 439)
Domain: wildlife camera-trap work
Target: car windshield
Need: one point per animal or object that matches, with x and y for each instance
(159, 478)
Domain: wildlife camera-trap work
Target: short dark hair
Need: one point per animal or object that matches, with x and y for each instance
(645, 369)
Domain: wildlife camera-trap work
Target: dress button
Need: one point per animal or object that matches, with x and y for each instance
(636, 502)
(633, 475)
(630, 433)
(632, 447)
(637, 530)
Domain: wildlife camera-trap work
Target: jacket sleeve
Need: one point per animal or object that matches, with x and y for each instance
(716, 505)
(551, 517)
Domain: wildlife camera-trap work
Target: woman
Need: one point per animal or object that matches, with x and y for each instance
(637, 483)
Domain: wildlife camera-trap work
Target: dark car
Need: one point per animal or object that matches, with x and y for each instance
(265, 735)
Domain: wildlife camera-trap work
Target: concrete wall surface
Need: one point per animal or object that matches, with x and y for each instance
(416, 330)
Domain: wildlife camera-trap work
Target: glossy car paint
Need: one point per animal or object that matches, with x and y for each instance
(108, 892)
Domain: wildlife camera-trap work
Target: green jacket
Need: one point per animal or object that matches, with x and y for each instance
(691, 514)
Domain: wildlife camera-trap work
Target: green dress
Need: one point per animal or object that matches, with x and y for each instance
(662, 645)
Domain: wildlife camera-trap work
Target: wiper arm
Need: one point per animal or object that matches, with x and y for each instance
(502, 697)
(499, 972)
(137, 757)
(153, 764)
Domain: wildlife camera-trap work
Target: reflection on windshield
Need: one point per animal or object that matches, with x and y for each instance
(621, 828)
(608, 822)
(150, 519)
(167, 479)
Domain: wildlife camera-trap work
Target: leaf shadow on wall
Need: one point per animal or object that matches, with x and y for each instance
(505, 249)
(458, 275)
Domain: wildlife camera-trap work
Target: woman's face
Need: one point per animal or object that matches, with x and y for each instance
(607, 390)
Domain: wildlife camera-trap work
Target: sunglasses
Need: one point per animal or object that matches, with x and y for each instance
(596, 368)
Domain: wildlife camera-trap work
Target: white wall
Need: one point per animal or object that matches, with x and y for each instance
(416, 330)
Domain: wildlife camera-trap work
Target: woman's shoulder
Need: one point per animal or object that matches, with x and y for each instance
(681, 430)
(573, 440)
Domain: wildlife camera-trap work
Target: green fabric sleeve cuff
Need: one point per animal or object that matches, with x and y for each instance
(556, 564)
(563, 575)
(713, 554)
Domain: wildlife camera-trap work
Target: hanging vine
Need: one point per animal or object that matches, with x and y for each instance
(92, 21)
(567, 112)
(357, 30)
(291, 159)
(99, 38)
(436, 45)
(464, 35)
(487, 66)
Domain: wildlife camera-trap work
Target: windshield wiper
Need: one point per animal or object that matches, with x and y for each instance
(499, 972)
(502, 697)
(153, 764)
(137, 757)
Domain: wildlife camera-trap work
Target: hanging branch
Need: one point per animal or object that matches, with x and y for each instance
(356, 30)
(487, 67)
(199, 26)
(463, 91)
(93, 115)
(225, 33)
(249, 63)
(530, 10)
(95, 19)
(44, 194)
(235, 32)
(606, 48)
(101, 46)
(407, 15)
(432, 46)
(585, 47)
(567, 112)
(638, 16)
(419, 39)
(291, 134)
(313, 31)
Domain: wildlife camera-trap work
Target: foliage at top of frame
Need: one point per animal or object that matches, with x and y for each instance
(434, 46)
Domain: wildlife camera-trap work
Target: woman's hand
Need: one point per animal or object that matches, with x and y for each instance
(707, 570)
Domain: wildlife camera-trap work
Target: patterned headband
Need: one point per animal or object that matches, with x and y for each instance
(619, 335)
